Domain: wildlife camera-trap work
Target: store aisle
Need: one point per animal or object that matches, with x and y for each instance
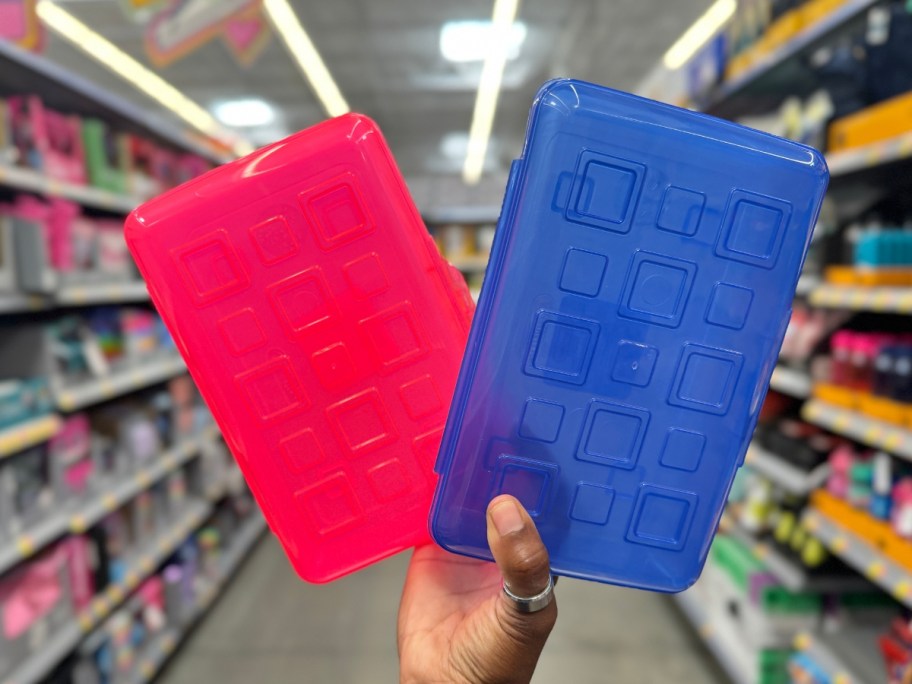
(271, 628)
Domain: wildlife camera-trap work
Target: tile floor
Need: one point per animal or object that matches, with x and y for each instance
(271, 628)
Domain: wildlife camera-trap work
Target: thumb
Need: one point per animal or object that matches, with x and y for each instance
(523, 562)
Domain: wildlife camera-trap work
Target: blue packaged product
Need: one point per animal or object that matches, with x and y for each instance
(638, 291)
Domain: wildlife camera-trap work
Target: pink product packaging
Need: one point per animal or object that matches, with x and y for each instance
(79, 564)
(61, 224)
(64, 157)
(71, 455)
(112, 255)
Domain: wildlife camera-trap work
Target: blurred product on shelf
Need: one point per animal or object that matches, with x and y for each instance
(24, 399)
(808, 328)
(869, 372)
(881, 256)
(89, 152)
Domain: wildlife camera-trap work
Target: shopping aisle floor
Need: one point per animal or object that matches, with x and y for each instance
(270, 628)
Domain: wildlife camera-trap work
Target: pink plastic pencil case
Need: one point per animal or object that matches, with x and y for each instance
(324, 331)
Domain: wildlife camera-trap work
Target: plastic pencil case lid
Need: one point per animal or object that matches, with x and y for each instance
(324, 331)
(638, 292)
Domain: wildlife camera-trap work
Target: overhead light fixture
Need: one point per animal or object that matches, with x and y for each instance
(470, 41)
(244, 113)
(109, 55)
(288, 26)
(701, 31)
(489, 89)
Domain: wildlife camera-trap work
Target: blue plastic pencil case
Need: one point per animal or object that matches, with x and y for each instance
(639, 288)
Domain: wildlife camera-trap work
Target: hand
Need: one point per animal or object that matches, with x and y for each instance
(455, 623)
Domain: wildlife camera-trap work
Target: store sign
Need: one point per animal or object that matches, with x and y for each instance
(19, 24)
(186, 25)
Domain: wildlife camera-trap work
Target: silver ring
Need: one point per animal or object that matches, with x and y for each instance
(532, 604)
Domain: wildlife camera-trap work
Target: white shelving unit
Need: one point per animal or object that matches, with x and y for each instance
(848, 657)
(18, 437)
(103, 293)
(78, 516)
(784, 474)
(156, 654)
(789, 381)
(870, 156)
(142, 563)
(858, 553)
(793, 575)
(874, 433)
(880, 299)
(29, 180)
(801, 42)
(120, 381)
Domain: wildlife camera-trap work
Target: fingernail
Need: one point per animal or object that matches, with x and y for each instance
(507, 518)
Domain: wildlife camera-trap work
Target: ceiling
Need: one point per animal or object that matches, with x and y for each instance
(385, 57)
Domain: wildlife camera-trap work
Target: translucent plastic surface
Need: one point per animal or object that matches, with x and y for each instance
(324, 331)
(631, 315)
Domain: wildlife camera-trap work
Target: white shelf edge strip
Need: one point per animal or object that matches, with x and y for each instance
(868, 156)
(30, 180)
(18, 437)
(792, 382)
(783, 473)
(96, 293)
(720, 643)
(158, 652)
(794, 46)
(141, 565)
(828, 656)
(896, 580)
(86, 513)
(119, 382)
(858, 298)
(874, 433)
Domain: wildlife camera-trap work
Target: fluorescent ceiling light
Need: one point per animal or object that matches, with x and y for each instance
(109, 55)
(244, 113)
(701, 31)
(288, 26)
(489, 89)
(470, 41)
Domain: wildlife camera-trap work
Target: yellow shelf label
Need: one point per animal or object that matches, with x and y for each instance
(26, 546)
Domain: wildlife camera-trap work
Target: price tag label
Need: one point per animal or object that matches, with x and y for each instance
(841, 422)
(78, 524)
(802, 642)
(875, 570)
(109, 502)
(893, 441)
(902, 590)
(872, 434)
(840, 544)
(85, 622)
(25, 545)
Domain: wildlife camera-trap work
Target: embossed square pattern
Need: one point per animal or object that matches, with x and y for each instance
(640, 282)
(294, 279)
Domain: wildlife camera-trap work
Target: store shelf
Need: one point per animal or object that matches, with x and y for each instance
(19, 437)
(784, 474)
(791, 574)
(851, 656)
(17, 302)
(474, 263)
(790, 381)
(140, 566)
(30, 180)
(857, 553)
(874, 433)
(81, 515)
(720, 641)
(870, 156)
(157, 653)
(141, 374)
(67, 91)
(103, 293)
(881, 299)
(720, 101)
(806, 285)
